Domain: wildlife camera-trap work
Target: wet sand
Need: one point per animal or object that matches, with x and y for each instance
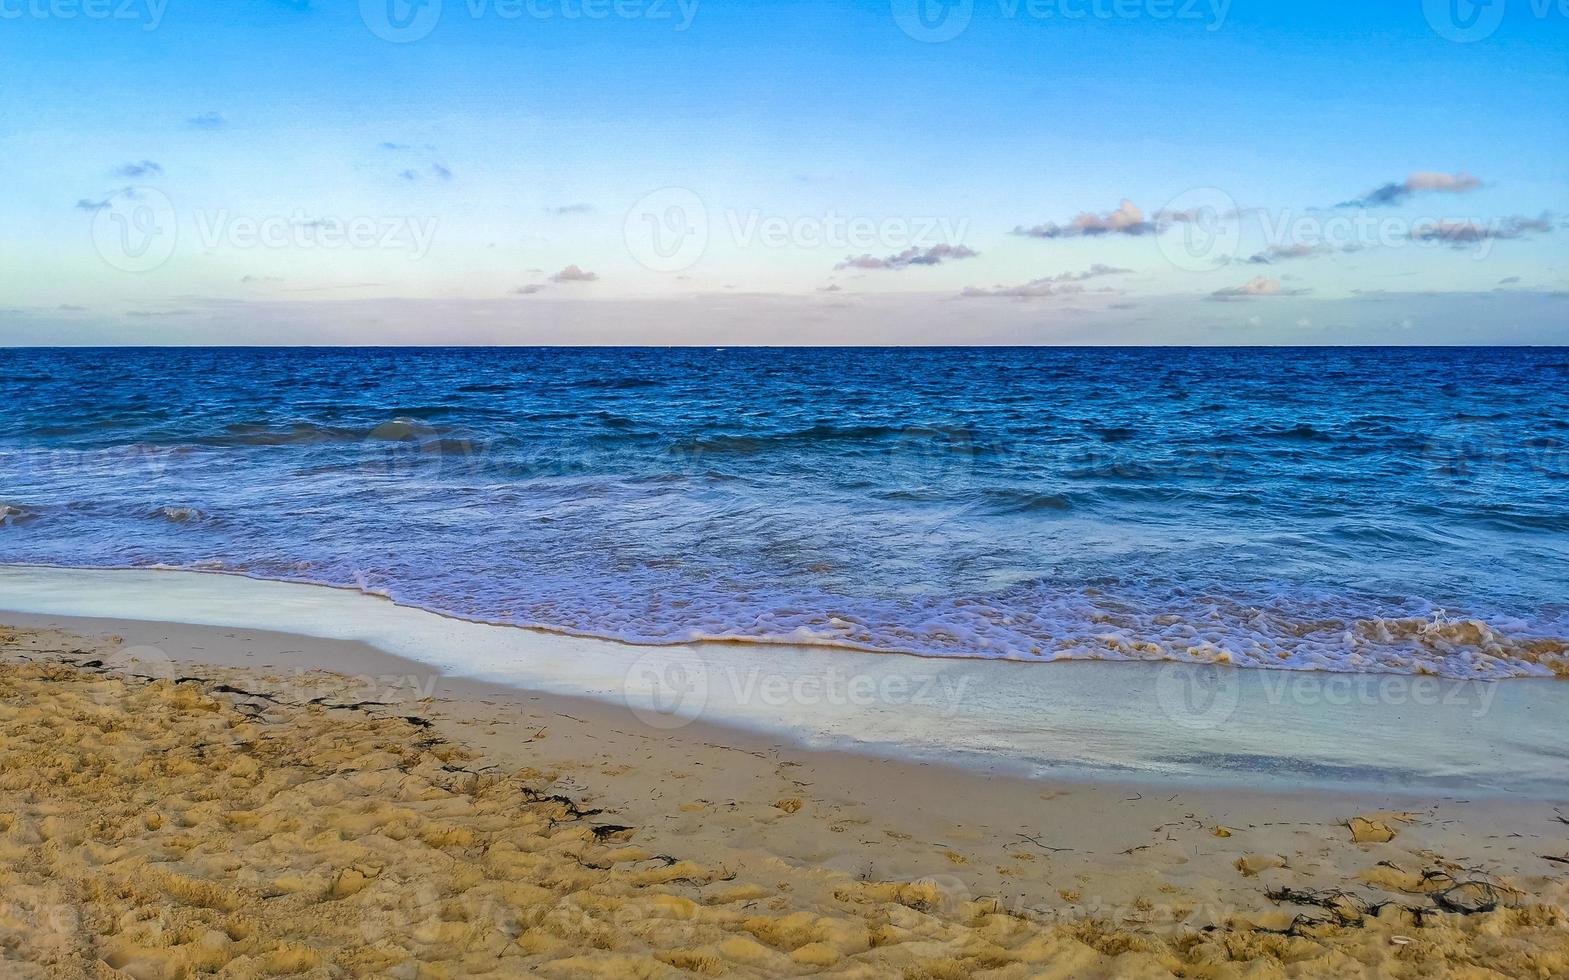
(182, 799)
(1084, 721)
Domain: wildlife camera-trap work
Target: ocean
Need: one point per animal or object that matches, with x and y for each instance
(1350, 509)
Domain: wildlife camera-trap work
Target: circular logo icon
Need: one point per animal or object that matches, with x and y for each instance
(1464, 21)
(933, 21)
(1201, 229)
(667, 231)
(666, 688)
(1198, 696)
(402, 447)
(136, 229)
(1471, 458)
(923, 458)
(400, 21)
(140, 665)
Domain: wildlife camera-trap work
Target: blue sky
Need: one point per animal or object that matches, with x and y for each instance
(660, 172)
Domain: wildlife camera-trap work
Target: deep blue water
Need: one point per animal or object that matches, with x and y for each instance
(1357, 509)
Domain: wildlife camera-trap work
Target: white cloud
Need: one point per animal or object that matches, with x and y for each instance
(1127, 219)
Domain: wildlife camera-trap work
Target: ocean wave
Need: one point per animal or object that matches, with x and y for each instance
(818, 435)
(1293, 634)
(948, 503)
(242, 434)
(619, 384)
(179, 515)
(1006, 501)
(1302, 432)
(12, 514)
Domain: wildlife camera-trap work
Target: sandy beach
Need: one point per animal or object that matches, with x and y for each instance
(184, 800)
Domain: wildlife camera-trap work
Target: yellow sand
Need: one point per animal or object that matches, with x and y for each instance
(166, 828)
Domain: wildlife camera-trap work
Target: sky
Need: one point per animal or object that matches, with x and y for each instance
(793, 172)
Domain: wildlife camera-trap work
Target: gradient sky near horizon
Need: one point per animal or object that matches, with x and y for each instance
(655, 171)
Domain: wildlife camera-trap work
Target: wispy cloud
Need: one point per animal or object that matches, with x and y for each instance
(1062, 284)
(436, 170)
(138, 170)
(1285, 253)
(1421, 182)
(1254, 288)
(529, 290)
(573, 274)
(1462, 233)
(1127, 219)
(936, 255)
(207, 120)
(419, 160)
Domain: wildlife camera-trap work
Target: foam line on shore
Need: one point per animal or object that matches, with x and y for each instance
(1126, 721)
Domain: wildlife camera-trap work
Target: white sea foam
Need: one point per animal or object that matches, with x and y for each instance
(1074, 720)
(180, 515)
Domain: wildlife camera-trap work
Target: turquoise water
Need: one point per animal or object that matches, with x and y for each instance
(1347, 509)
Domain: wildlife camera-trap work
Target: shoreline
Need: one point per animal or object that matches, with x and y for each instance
(1111, 878)
(1554, 664)
(1133, 722)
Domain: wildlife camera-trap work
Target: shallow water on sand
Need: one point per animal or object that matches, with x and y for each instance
(1353, 510)
(1117, 722)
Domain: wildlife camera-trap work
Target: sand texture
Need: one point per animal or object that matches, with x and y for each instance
(218, 823)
